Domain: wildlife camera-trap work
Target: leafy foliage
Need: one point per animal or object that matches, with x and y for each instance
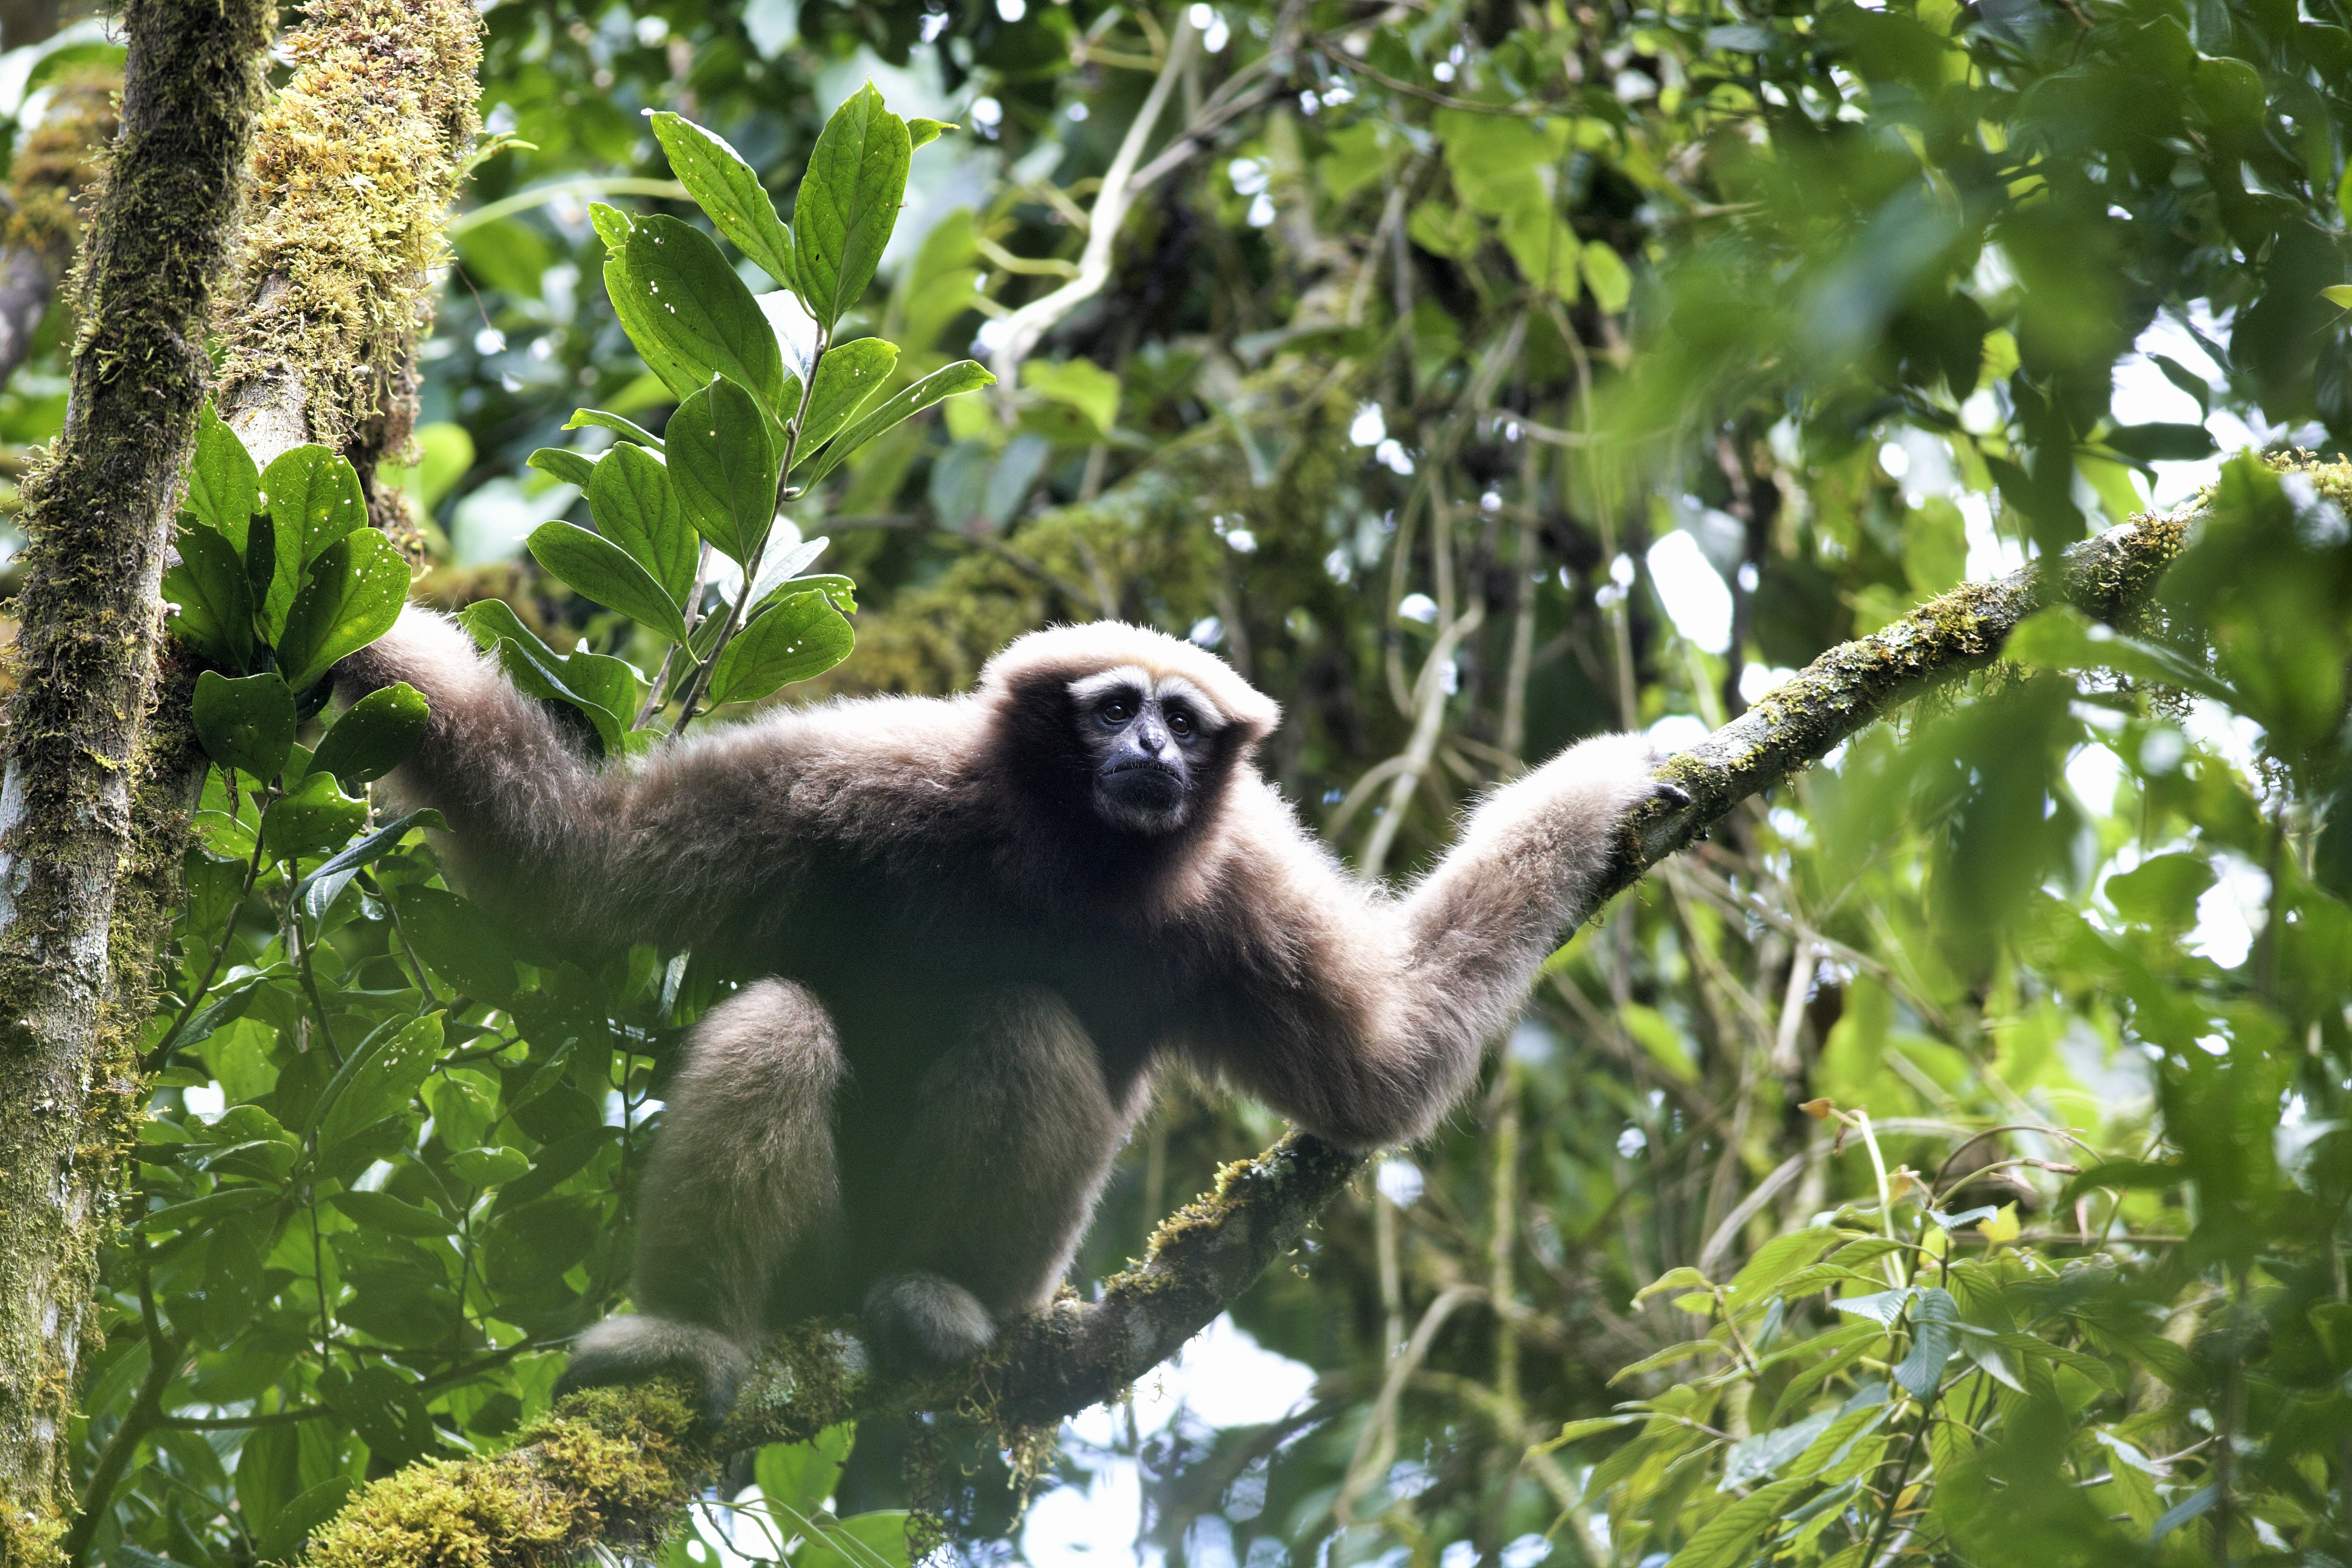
(1402, 392)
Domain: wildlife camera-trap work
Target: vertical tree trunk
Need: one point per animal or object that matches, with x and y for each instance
(99, 514)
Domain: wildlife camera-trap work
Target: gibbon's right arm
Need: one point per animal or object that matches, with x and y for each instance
(603, 856)
(1363, 1016)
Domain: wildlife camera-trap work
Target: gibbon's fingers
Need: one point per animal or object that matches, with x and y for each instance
(630, 1350)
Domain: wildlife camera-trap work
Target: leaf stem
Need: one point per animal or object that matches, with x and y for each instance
(742, 604)
(161, 1057)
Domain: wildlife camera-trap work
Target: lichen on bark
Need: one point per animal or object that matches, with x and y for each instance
(354, 167)
(96, 514)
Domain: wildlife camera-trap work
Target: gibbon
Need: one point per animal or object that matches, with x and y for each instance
(978, 924)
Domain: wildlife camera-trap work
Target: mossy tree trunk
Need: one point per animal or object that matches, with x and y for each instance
(98, 515)
(353, 168)
(615, 1465)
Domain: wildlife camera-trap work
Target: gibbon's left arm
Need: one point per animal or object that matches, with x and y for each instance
(669, 849)
(1363, 1015)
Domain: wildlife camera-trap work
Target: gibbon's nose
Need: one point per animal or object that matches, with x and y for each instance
(1153, 738)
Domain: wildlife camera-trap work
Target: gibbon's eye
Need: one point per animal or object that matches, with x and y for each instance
(1179, 724)
(1116, 711)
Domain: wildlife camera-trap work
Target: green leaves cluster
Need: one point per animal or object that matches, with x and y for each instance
(750, 433)
(279, 573)
(1937, 1377)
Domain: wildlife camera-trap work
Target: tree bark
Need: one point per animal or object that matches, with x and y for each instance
(353, 169)
(98, 513)
(1074, 1354)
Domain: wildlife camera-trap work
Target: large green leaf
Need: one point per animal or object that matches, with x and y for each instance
(573, 468)
(877, 1540)
(845, 377)
(849, 203)
(726, 188)
(690, 316)
(224, 487)
(722, 463)
(314, 498)
(313, 816)
(802, 637)
(292, 1525)
(606, 574)
(272, 575)
(635, 506)
(245, 724)
(383, 1212)
(603, 688)
(628, 429)
(215, 602)
(458, 939)
(378, 1079)
(964, 375)
(799, 1477)
(354, 594)
(372, 737)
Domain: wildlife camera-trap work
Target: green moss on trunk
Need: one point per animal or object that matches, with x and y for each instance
(354, 167)
(98, 514)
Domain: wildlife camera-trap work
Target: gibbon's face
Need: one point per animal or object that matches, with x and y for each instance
(1150, 739)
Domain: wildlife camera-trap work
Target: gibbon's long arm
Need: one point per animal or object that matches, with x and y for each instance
(1362, 1015)
(597, 855)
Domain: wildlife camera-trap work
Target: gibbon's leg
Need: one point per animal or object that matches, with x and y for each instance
(741, 1179)
(1006, 1150)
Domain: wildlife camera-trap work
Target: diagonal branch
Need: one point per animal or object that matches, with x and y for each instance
(1074, 1354)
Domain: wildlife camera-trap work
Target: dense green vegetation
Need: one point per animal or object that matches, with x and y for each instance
(1945, 1163)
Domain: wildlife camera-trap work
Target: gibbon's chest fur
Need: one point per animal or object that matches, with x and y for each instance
(932, 852)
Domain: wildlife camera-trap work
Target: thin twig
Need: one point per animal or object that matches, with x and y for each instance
(1026, 326)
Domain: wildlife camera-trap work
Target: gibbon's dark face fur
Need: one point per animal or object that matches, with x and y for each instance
(970, 930)
(1146, 737)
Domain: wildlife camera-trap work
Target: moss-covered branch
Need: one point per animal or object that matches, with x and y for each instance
(1075, 1354)
(97, 513)
(354, 167)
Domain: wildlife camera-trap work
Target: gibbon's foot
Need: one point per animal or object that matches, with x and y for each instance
(1673, 795)
(630, 1350)
(923, 1322)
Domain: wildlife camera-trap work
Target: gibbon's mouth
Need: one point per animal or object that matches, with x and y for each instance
(1142, 794)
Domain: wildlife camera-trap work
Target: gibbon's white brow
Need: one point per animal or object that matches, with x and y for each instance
(1135, 679)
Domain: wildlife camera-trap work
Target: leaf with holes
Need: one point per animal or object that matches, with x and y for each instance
(314, 498)
(245, 724)
(724, 185)
(802, 637)
(690, 316)
(849, 203)
(353, 596)
(607, 574)
(723, 465)
(374, 736)
(635, 506)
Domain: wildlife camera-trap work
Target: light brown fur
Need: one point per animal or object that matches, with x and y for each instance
(983, 972)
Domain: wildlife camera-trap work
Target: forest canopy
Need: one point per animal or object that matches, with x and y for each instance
(1943, 1159)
